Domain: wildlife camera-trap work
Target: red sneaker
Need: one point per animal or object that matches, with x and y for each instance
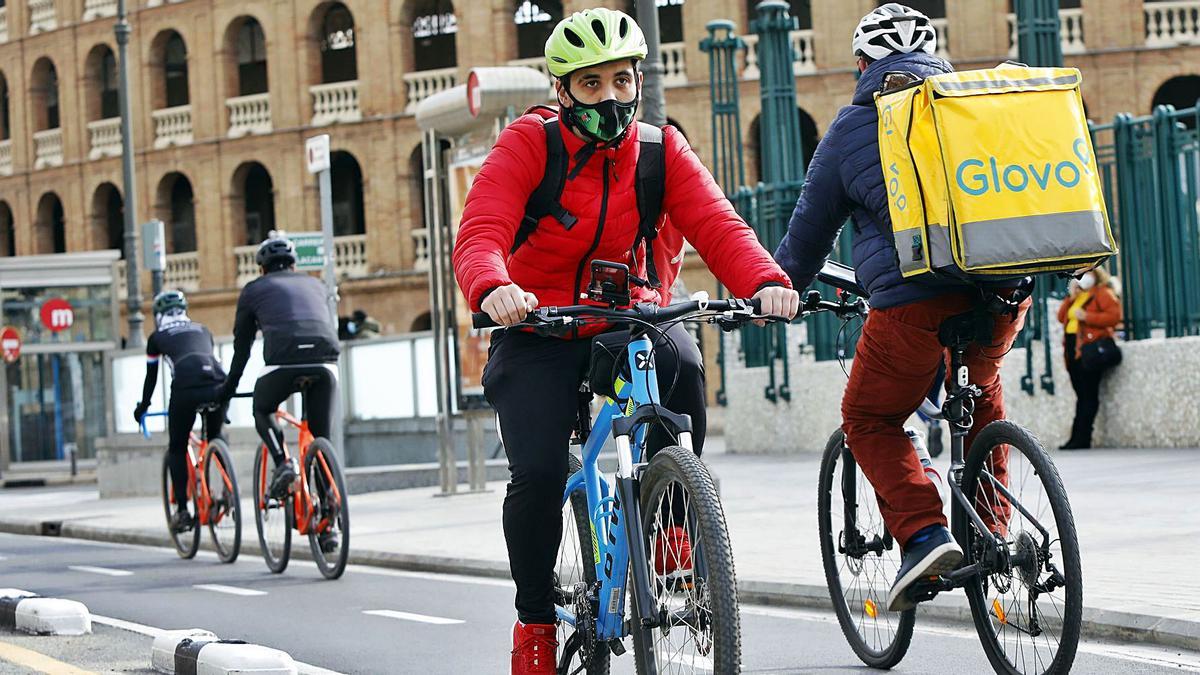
(672, 550)
(534, 648)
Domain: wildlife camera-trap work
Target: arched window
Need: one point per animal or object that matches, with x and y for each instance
(175, 71)
(50, 229)
(346, 178)
(251, 58)
(434, 31)
(176, 207)
(108, 219)
(337, 41)
(110, 102)
(45, 95)
(4, 128)
(670, 18)
(808, 141)
(258, 202)
(8, 239)
(535, 21)
(1181, 92)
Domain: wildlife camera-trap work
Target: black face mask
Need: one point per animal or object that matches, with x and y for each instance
(603, 122)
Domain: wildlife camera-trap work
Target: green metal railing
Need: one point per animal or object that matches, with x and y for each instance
(1150, 169)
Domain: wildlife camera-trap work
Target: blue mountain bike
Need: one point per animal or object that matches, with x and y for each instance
(660, 532)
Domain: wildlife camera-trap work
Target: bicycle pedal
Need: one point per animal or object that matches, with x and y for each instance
(617, 647)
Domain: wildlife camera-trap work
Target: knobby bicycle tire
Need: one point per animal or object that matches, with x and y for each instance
(320, 464)
(676, 465)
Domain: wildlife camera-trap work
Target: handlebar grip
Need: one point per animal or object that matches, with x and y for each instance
(482, 320)
(756, 305)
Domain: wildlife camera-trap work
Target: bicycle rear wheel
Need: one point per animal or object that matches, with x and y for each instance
(694, 593)
(330, 509)
(273, 518)
(225, 508)
(186, 542)
(575, 579)
(860, 561)
(1028, 611)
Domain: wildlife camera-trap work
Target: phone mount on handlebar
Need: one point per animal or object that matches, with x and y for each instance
(609, 284)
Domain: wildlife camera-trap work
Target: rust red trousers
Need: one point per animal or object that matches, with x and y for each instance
(897, 357)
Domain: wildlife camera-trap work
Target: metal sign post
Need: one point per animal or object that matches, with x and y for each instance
(316, 150)
(154, 252)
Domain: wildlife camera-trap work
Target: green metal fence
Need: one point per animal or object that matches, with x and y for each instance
(1150, 168)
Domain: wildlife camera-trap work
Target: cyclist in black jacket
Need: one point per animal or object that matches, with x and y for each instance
(196, 380)
(300, 350)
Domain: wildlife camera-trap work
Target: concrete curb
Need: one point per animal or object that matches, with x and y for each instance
(26, 612)
(1097, 623)
(197, 651)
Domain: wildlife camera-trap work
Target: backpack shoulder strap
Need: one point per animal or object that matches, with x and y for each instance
(544, 200)
(649, 185)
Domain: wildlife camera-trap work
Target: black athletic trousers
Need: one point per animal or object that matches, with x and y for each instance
(181, 416)
(276, 386)
(533, 383)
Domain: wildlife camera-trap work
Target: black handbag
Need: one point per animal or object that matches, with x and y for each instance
(1100, 355)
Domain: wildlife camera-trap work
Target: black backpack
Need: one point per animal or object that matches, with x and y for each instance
(651, 178)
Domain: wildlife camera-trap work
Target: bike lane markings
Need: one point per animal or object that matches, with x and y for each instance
(408, 616)
(106, 571)
(229, 590)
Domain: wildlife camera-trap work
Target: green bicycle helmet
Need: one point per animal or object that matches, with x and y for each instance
(168, 300)
(592, 37)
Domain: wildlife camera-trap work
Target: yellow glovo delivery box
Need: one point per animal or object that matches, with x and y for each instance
(990, 173)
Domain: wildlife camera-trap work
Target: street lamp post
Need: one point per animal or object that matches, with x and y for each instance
(654, 110)
(132, 268)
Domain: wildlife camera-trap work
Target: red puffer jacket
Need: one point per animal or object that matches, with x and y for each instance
(554, 263)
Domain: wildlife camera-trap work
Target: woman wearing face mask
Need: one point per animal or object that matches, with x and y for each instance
(533, 381)
(1089, 316)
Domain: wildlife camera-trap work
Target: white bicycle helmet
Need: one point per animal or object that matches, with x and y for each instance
(894, 29)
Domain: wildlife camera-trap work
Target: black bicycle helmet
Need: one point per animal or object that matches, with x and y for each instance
(274, 251)
(168, 300)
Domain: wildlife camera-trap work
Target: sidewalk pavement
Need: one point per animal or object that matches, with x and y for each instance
(1137, 513)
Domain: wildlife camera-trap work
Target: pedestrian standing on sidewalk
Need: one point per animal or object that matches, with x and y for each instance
(1089, 314)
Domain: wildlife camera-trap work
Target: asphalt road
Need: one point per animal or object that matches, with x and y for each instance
(385, 621)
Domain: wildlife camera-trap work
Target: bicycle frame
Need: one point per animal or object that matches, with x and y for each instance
(616, 544)
(302, 504)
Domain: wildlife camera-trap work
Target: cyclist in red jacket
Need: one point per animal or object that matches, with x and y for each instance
(533, 381)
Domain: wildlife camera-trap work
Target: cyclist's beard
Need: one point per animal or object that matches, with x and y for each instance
(603, 122)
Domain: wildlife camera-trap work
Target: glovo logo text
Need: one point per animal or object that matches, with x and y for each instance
(977, 176)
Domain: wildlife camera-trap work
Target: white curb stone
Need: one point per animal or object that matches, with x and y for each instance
(162, 653)
(24, 611)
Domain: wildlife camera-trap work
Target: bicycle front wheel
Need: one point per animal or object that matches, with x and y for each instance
(574, 582)
(860, 559)
(224, 506)
(273, 518)
(693, 586)
(1028, 607)
(188, 541)
(329, 531)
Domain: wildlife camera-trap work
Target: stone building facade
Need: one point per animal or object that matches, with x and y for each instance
(224, 94)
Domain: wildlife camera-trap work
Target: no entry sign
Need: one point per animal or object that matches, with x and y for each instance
(10, 344)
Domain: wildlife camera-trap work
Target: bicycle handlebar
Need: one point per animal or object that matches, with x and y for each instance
(746, 309)
(163, 413)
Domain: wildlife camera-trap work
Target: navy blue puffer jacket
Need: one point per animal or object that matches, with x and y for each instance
(845, 179)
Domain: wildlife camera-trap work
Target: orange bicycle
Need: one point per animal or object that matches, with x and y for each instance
(315, 505)
(212, 489)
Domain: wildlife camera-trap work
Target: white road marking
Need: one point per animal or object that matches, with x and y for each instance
(692, 661)
(151, 631)
(231, 590)
(3, 557)
(408, 616)
(106, 571)
(432, 576)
